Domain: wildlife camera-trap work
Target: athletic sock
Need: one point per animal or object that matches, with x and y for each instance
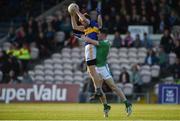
(105, 106)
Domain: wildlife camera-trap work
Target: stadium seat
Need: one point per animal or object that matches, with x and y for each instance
(124, 61)
(115, 66)
(113, 55)
(6, 46)
(39, 78)
(123, 50)
(57, 61)
(78, 78)
(169, 80)
(132, 55)
(75, 55)
(145, 68)
(172, 58)
(113, 60)
(68, 79)
(48, 61)
(156, 89)
(76, 49)
(142, 49)
(58, 67)
(66, 50)
(145, 76)
(79, 83)
(141, 60)
(58, 78)
(48, 67)
(56, 56)
(58, 73)
(120, 86)
(155, 70)
(49, 78)
(60, 36)
(49, 72)
(133, 60)
(67, 67)
(39, 67)
(141, 54)
(68, 73)
(31, 74)
(34, 53)
(78, 73)
(127, 66)
(1, 76)
(66, 55)
(128, 89)
(132, 50)
(123, 55)
(39, 72)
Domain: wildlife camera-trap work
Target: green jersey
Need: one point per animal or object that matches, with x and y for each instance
(102, 53)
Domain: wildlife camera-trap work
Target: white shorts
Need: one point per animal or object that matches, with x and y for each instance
(104, 72)
(90, 52)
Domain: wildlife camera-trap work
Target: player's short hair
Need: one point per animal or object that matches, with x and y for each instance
(104, 31)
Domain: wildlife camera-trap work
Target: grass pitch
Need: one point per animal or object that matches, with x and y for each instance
(60, 111)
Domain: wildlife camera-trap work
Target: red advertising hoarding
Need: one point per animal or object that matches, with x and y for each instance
(39, 93)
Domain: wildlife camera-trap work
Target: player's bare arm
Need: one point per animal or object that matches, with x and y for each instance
(99, 18)
(81, 16)
(75, 26)
(94, 42)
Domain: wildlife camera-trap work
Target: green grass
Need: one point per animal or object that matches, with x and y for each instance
(86, 112)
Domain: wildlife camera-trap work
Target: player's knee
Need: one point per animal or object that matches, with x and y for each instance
(113, 87)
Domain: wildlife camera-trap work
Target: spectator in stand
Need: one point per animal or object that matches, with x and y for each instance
(177, 48)
(124, 77)
(21, 34)
(66, 27)
(175, 69)
(162, 23)
(136, 79)
(167, 41)
(72, 42)
(163, 58)
(151, 58)
(108, 24)
(30, 36)
(117, 40)
(173, 19)
(147, 42)
(117, 23)
(127, 41)
(137, 42)
(9, 66)
(11, 37)
(49, 37)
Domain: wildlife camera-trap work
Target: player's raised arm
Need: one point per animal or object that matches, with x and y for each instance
(99, 18)
(82, 17)
(94, 42)
(75, 26)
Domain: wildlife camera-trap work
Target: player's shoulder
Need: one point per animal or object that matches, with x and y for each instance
(104, 42)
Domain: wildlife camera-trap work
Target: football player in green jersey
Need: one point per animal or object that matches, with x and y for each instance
(103, 47)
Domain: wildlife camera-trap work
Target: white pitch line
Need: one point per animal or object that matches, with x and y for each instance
(89, 120)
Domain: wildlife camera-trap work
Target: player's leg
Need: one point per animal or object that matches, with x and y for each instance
(119, 92)
(110, 82)
(90, 56)
(103, 100)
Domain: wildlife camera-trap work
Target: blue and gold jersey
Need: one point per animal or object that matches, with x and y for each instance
(92, 31)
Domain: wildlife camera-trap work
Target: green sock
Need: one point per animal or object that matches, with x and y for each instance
(105, 105)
